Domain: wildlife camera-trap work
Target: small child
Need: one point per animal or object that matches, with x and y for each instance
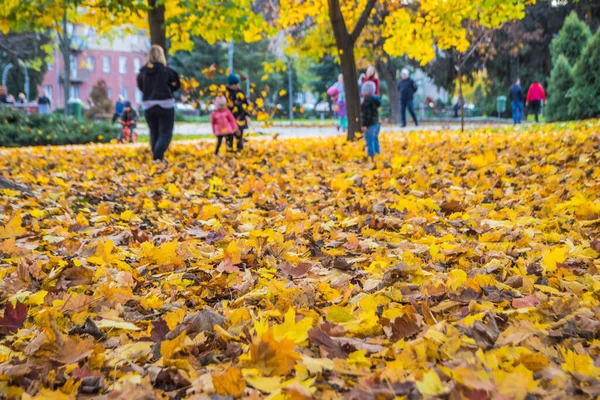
(128, 119)
(223, 124)
(369, 115)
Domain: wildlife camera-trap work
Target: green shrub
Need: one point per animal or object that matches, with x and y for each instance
(559, 87)
(584, 101)
(19, 129)
(571, 39)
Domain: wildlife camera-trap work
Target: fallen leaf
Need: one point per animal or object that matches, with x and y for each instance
(14, 317)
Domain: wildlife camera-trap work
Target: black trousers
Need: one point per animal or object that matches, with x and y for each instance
(535, 106)
(228, 140)
(161, 122)
(239, 139)
(407, 104)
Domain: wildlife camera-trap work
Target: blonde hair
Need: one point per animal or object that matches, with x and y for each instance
(156, 55)
(371, 71)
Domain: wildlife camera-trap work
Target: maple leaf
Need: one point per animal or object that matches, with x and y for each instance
(14, 317)
(229, 383)
(273, 357)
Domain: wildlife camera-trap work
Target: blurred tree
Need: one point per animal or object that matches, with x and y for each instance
(99, 101)
(584, 95)
(559, 88)
(31, 47)
(571, 39)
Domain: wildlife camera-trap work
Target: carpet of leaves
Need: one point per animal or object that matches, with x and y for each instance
(461, 266)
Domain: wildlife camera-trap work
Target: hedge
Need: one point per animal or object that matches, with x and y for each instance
(20, 129)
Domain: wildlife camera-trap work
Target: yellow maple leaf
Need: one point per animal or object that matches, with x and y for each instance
(431, 385)
(552, 257)
(292, 330)
(273, 357)
(13, 228)
(229, 383)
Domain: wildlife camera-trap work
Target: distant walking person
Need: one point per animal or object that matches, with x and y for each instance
(157, 83)
(369, 115)
(119, 106)
(535, 98)
(516, 98)
(224, 124)
(407, 88)
(238, 105)
(372, 76)
(43, 104)
(338, 96)
(21, 99)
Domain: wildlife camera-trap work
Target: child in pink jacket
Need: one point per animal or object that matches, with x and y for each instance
(223, 124)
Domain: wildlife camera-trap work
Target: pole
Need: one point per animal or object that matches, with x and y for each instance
(291, 92)
(230, 52)
(460, 94)
(5, 73)
(248, 84)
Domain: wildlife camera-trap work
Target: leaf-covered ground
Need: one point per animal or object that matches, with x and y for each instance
(460, 266)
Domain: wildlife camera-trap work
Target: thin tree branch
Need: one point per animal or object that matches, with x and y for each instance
(362, 21)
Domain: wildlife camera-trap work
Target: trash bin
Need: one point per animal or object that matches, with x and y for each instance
(75, 109)
(500, 105)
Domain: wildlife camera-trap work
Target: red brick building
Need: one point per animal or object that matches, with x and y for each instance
(115, 61)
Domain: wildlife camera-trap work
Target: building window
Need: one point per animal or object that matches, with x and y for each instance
(109, 90)
(122, 65)
(124, 93)
(137, 64)
(106, 64)
(74, 92)
(48, 90)
(50, 66)
(74, 67)
(91, 63)
(138, 96)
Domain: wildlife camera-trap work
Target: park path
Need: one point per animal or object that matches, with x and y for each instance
(303, 130)
(284, 132)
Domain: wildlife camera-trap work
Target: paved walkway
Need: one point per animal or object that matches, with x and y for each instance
(306, 131)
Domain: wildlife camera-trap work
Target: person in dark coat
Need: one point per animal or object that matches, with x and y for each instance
(516, 99)
(157, 83)
(44, 103)
(407, 88)
(238, 105)
(369, 115)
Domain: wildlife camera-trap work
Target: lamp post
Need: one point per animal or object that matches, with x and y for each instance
(230, 53)
(290, 91)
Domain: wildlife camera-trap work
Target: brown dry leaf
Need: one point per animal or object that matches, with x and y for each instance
(13, 318)
(529, 301)
(299, 271)
(74, 350)
(203, 320)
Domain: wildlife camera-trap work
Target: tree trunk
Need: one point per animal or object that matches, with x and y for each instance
(156, 20)
(345, 44)
(66, 53)
(387, 70)
(352, 94)
(461, 101)
(348, 65)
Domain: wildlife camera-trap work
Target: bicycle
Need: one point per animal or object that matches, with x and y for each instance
(128, 135)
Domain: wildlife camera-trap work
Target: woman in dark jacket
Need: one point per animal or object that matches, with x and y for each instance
(157, 83)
